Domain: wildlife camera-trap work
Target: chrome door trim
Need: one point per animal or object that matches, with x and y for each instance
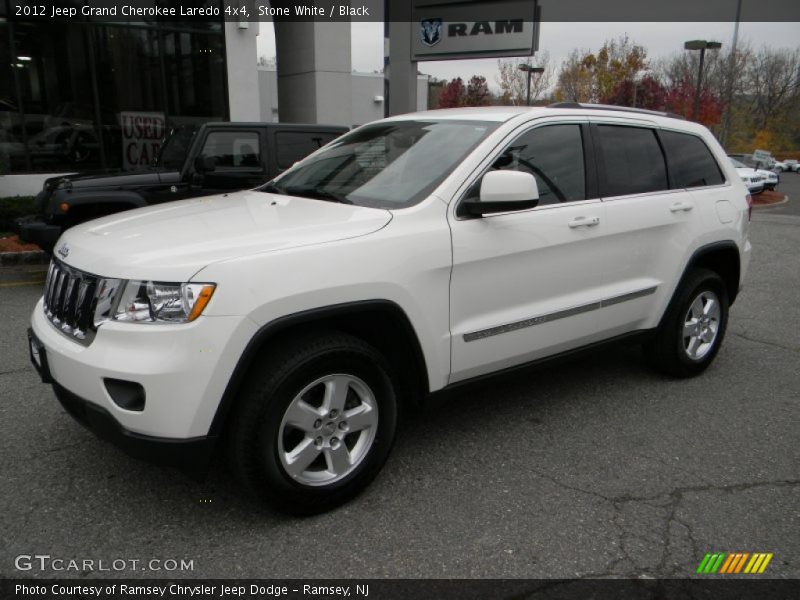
(559, 314)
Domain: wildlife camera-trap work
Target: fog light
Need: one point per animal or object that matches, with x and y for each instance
(126, 394)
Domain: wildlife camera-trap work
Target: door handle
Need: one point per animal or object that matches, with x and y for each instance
(681, 207)
(583, 222)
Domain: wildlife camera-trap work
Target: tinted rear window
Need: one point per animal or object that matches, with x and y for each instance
(634, 163)
(690, 161)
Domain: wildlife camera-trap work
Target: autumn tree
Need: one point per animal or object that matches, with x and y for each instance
(763, 88)
(772, 80)
(477, 93)
(588, 77)
(453, 95)
(680, 100)
(435, 88)
(644, 93)
(513, 82)
(575, 79)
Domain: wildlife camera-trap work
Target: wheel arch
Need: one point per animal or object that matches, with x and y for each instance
(380, 323)
(721, 257)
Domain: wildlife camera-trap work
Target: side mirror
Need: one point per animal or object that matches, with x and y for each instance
(204, 164)
(503, 191)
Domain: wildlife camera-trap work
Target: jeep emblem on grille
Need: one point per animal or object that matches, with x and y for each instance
(64, 251)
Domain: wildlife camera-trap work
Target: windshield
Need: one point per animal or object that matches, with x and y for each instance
(175, 146)
(385, 165)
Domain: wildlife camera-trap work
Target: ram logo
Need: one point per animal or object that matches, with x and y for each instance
(430, 31)
(64, 251)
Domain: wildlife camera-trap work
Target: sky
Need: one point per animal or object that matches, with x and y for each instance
(659, 39)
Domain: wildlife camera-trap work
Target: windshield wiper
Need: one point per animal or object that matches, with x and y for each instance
(318, 193)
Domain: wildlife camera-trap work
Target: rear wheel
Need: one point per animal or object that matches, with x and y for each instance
(315, 424)
(692, 330)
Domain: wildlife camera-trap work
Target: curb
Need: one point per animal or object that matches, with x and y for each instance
(784, 201)
(32, 257)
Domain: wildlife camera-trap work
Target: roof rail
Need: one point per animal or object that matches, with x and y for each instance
(643, 111)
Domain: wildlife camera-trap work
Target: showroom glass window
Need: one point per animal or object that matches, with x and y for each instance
(634, 162)
(553, 154)
(90, 95)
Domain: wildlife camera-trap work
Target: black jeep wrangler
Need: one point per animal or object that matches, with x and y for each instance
(193, 161)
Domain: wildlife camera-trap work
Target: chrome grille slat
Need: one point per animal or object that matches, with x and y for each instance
(69, 298)
(47, 284)
(69, 303)
(58, 296)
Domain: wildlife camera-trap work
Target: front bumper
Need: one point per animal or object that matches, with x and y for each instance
(183, 370)
(192, 456)
(34, 231)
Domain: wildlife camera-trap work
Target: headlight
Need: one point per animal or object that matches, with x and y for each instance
(151, 301)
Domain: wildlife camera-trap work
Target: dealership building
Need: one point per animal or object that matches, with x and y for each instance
(89, 94)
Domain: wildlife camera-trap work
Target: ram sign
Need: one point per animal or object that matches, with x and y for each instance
(440, 32)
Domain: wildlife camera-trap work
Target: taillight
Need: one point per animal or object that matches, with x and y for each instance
(749, 207)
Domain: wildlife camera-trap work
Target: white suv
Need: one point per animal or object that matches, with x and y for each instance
(293, 321)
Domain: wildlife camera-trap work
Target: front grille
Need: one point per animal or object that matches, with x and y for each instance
(69, 301)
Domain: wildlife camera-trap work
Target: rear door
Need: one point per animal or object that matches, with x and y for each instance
(650, 222)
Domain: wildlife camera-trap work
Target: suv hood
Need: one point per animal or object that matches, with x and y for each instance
(172, 241)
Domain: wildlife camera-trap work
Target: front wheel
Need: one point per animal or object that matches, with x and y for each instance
(315, 424)
(691, 331)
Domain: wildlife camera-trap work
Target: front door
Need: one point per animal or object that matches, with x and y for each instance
(527, 284)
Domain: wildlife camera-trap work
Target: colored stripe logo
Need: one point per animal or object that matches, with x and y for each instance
(732, 563)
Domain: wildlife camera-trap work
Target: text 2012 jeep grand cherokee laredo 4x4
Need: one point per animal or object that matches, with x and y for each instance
(292, 321)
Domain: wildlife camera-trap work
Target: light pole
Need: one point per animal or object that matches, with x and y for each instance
(726, 121)
(701, 45)
(529, 69)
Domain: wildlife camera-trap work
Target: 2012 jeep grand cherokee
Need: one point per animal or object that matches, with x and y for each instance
(293, 321)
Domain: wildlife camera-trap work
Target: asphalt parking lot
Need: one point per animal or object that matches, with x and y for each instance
(597, 467)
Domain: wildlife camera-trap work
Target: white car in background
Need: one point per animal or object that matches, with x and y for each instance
(780, 166)
(752, 178)
(771, 178)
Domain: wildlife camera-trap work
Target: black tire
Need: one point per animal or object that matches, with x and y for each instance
(254, 434)
(667, 350)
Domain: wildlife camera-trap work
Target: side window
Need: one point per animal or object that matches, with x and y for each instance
(690, 160)
(291, 146)
(634, 163)
(553, 154)
(233, 149)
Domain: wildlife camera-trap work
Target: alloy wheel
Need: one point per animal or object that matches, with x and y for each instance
(701, 325)
(327, 429)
